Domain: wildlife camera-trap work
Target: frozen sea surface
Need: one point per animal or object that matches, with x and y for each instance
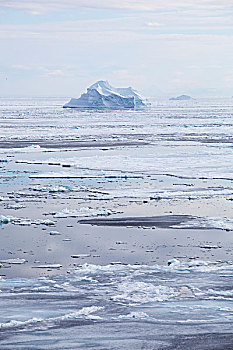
(121, 307)
(66, 285)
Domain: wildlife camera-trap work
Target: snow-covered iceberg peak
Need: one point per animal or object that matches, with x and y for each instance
(103, 95)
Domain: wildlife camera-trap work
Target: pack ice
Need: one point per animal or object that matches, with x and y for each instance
(103, 95)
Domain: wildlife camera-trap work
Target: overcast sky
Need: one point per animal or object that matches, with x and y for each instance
(58, 48)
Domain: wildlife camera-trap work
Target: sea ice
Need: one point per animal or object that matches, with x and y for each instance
(82, 212)
(221, 223)
(4, 219)
(47, 222)
(14, 261)
(54, 233)
(49, 266)
(52, 189)
(136, 315)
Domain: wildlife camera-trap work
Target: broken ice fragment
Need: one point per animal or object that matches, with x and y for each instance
(49, 266)
(48, 222)
(13, 261)
(25, 223)
(54, 233)
(4, 219)
(82, 212)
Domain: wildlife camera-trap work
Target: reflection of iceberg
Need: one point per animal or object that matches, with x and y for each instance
(103, 95)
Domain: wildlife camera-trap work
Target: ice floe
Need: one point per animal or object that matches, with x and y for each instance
(76, 256)
(48, 266)
(134, 315)
(27, 149)
(54, 233)
(138, 292)
(207, 223)
(5, 219)
(16, 261)
(52, 189)
(83, 212)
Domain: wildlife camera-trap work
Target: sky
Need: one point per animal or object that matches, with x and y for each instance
(159, 47)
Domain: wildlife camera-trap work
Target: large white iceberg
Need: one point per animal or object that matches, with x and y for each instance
(103, 95)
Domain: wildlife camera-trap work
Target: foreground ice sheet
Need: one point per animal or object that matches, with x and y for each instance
(154, 161)
(97, 304)
(103, 95)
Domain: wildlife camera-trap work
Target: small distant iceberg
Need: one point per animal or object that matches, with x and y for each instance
(181, 98)
(103, 95)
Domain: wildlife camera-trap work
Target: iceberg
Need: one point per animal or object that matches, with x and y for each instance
(181, 98)
(103, 95)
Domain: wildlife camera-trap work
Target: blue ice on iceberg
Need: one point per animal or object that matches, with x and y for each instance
(103, 95)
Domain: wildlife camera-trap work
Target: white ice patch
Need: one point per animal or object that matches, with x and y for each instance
(28, 149)
(25, 222)
(174, 265)
(52, 189)
(48, 266)
(82, 212)
(17, 324)
(5, 219)
(110, 174)
(85, 312)
(58, 175)
(221, 294)
(47, 222)
(141, 292)
(54, 233)
(9, 219)
(16, 261)
(207, 223)
(134, 315)
(3, 199)
(33, 147)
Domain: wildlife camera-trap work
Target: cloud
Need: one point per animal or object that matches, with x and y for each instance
(123, 28)
(169, 43)
(42, 6)
(54, 73)
(154, 24)
(188, 20)
(21, 67)
(43, 71)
